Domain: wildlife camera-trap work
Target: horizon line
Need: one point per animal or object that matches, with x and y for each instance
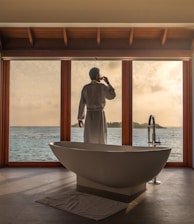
(74, 127)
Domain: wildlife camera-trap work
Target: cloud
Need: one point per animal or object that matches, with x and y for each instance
(35, 90)
(80, 77)
(158, 91)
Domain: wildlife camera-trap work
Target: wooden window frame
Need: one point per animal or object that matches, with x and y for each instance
(127, 125)
(65, 121)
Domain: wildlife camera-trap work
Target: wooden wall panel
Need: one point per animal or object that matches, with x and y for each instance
(4, 112)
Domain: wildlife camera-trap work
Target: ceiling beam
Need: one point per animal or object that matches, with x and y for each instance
(65, 37)
(99, 53)
(30, 37)
(164, 36)
(131, 36)
(98, 36)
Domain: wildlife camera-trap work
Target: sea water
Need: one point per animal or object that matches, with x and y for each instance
(31, 144)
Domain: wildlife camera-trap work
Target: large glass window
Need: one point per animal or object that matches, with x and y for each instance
(157, 91)
(34, 110)
(80, 77)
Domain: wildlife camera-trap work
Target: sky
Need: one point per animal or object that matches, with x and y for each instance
(35, 91)
(80, 77)
(157, 90)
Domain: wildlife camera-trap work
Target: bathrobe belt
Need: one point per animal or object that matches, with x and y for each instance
(95, 109)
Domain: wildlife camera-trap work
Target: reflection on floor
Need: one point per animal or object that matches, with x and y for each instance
(171, 202)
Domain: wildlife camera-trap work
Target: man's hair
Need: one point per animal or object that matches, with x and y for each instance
(94, 72)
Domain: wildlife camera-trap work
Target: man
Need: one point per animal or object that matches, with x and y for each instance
(93, 97)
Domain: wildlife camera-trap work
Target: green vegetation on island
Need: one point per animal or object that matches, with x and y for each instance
(119, 125)
(144, 125)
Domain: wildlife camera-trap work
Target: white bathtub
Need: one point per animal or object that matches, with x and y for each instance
(111, 168)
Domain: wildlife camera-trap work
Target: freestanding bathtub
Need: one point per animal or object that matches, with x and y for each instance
(122, 170)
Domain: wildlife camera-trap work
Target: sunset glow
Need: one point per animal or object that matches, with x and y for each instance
(35, 91)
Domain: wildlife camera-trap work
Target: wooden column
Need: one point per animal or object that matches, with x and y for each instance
(192, 101)
(4, 112)
(1, 115)
(187, 113)
(65, 100)
(127, 123)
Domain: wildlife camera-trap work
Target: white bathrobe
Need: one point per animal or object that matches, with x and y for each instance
(93, 97)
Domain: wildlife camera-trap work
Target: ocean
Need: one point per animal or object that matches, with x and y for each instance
(31, 144)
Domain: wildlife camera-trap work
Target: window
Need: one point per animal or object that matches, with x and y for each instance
(157, 90)
(80, 77)
(34, 110)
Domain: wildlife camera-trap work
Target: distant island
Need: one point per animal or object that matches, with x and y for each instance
(145, 125)
(119, 125)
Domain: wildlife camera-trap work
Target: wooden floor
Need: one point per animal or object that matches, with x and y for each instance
(171, 202)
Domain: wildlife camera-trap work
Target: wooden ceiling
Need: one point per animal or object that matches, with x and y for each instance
(27, 41)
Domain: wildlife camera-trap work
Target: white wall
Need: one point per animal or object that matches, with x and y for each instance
(89, 11)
